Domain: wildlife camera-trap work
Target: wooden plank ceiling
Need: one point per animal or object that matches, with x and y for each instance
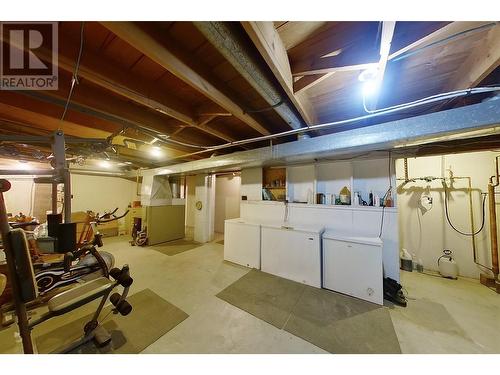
(140, 82)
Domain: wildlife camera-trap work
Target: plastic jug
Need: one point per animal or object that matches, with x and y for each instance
(447, 266)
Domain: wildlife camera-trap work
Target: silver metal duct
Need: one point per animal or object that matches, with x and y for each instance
(243, 59)
(482, 117)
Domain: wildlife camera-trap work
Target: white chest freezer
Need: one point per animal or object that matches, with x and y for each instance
(353, 265)
(292, 252)
(242, 242)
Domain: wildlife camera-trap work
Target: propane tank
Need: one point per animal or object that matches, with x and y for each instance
(447, 266)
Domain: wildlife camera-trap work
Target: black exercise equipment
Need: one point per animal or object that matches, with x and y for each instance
(25, 289)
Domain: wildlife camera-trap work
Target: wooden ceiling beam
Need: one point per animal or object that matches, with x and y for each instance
(306, 82)
(385, 46)
(481, 61)
(447, 31)
(331, 65)
(340, 46)
(107, 75)
(169, 59)
(37, 120)
(48, 123)
(269, 44)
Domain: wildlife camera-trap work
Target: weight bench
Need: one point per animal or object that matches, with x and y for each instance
(25, 290)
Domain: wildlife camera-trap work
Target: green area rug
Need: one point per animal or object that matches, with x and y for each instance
(329, 320)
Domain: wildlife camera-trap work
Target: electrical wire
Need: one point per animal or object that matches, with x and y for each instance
(427, 100)
(380, 112)
(446, 210)
(74, 79)
(438, 42)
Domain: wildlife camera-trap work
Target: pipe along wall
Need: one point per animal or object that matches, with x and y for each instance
(424, 229)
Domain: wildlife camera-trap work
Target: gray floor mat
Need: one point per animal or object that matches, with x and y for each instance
(342, 324)
(151, 318)
(175, 247)
(433, 316)
(329, 320)
(267, 297)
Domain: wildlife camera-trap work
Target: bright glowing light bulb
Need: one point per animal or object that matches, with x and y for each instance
(370, 88)
(23, 165)
(104, 164)
(156, 152)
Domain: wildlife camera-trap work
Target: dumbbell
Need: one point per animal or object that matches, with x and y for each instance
(123, 307)
(121, 276)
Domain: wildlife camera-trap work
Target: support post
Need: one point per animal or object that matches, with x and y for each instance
(205, 213)
(61, 166)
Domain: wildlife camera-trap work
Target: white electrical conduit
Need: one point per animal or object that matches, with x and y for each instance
(376, 113)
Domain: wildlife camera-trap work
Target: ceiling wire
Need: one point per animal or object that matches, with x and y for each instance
(74, 79)
(379, 112)
(439, 42)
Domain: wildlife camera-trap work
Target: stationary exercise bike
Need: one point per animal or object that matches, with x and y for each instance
(82, 265)
(25, 290)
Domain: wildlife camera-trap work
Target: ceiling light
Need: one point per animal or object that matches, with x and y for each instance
(156, 152)
(104, 164)
(23, 165)
(370, 88)
(371, 83)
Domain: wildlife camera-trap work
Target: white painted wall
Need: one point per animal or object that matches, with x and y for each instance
(251, 183)
(99, 193)
(227, 200)
(426, 234)
(96, 193)
(300, 183)
(20, 196)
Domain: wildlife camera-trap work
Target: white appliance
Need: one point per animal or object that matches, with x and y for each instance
(292, 252)
(242, 242)
(353, 265)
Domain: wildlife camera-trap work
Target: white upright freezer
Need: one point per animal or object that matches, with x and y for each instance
(292, 252)
(242, 242)
(353, 265)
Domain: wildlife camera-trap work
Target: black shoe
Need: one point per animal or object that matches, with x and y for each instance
(393, 291)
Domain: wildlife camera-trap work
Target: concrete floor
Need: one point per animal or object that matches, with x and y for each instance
(443, 316)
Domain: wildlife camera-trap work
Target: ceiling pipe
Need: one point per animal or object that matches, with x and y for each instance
(482, 118)
(91, 172)
(224, 37)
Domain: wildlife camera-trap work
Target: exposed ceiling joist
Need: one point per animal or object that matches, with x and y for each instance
(447, 31)
(339, 46)
(49, 123)
(306, 82)
(107, 75)
(228, 41)
(385, 46)
(482, 61)
(270, 46)
(331, 65)
(158, 52)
